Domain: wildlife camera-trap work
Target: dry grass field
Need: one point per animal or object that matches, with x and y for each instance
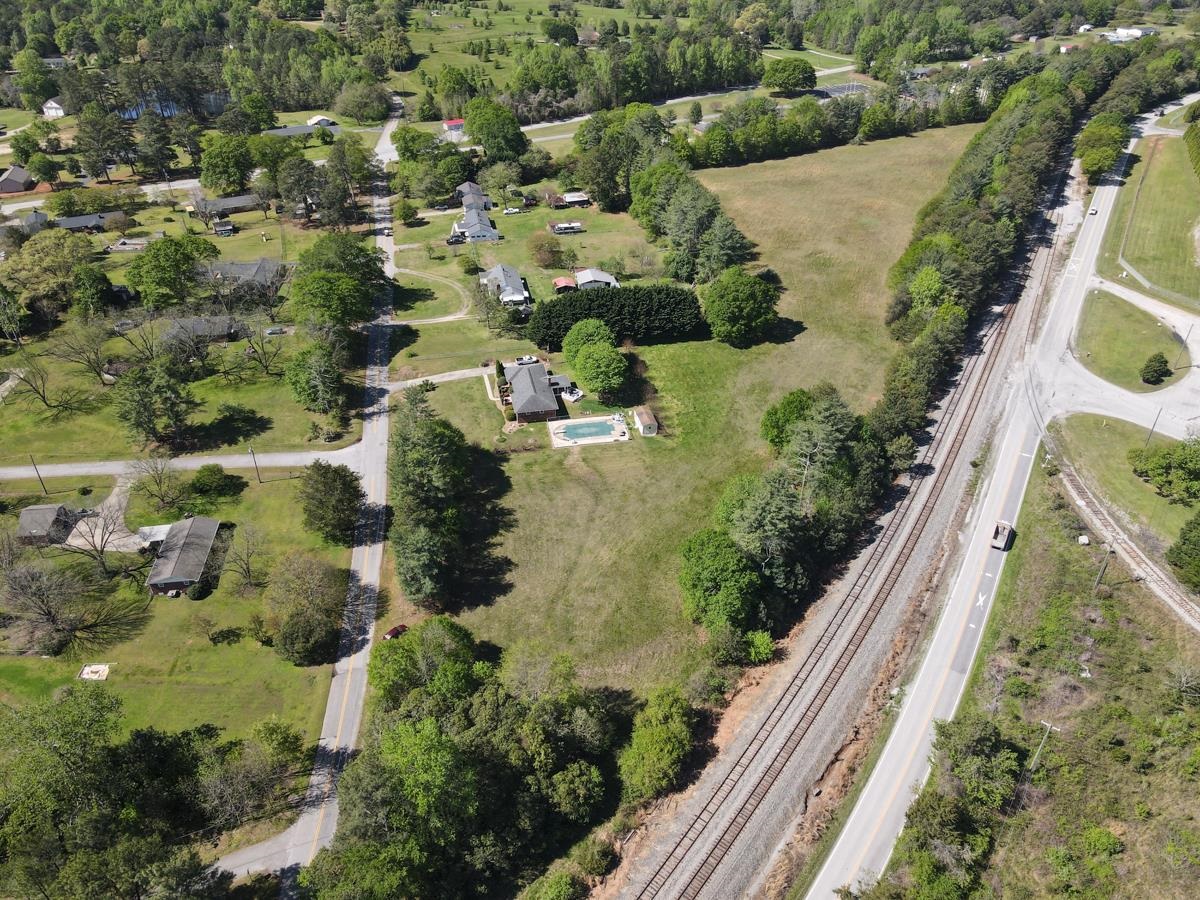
(596, 530)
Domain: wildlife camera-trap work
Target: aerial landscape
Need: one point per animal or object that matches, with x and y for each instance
(634, 449)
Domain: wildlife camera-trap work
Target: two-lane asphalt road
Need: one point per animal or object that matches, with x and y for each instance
(314, 829)
(1049, 382)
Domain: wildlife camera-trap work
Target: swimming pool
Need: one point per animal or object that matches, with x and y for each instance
(577, 430)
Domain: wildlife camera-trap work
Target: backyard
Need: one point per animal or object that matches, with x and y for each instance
(1115, 338)
(171, 676)
(597, 529)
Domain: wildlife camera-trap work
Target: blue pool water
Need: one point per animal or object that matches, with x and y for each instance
(577, 430)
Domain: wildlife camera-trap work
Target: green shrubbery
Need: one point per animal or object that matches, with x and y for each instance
(652, 312)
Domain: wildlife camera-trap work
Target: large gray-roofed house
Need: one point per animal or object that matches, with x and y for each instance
(223, 206)
(205, 328)
(476, 226)
(44, 524)
(262, 271)
(183, 555)
(87, 222)
(301, 130)
(532, 393)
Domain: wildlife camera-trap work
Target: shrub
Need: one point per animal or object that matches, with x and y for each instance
(1184, 554)
(781, 417)
(593, 855)
(561, 885)
(308, 640)
(662, 738)
(601, 368)
(720, 586)
(759, 647)
(653, 312)
(1156, 369)
(212, 481)
(583, 332)
(331, 497)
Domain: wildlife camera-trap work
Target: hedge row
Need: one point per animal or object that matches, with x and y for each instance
(644, 313)
(1191, 139)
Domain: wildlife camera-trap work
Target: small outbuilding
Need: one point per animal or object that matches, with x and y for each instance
(16, 180)
(183, 555)
(320, 121)
(595, 278)
(44, 525)
(564, 283)
(53, 108)
(645, 421)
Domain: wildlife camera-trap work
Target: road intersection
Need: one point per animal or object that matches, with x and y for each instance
(1048, 384)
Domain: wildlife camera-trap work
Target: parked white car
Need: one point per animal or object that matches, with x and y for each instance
(574, 395)
(527, 360)
(512, 211)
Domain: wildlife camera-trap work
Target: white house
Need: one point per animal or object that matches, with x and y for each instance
(576, 198)
(595, 278)
(475, 226)
(53, 108)
(319, 121)
(644, 421)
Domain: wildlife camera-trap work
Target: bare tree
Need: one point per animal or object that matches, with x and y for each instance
(201, 208)
(158, 480)
(95, 536)
(232, 366)
(144, 341)
(34, 384)
(1184, 682)
(10, 551)
(246, 556)
(83, 345)
(56, 608)
(264, 353)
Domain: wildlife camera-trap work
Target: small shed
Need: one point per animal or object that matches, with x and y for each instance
(320, 121)
(645, 422)
(15, 180)
(564, 283)
(223, 228)
(44, 524)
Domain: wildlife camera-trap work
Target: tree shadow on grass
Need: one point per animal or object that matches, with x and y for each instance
(784, 331)
(234, 424)
(405, 298)
(480, 576)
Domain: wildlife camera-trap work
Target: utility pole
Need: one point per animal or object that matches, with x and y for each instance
(1183, 349)
(254, 459)
(1152, 427)
(39, 476)
(1038, 752)
(1108, 551)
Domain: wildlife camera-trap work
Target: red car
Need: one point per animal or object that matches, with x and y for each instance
(395, 632)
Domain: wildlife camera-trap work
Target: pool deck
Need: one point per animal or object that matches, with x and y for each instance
(620, 432)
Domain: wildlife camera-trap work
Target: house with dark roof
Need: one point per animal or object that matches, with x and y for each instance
(206, 329)
(34, 221)
(262, 271)
(224, 228)
(92, 222)
(224, 206)
(288, 131)
(183, 555)
(44, 525)
(533, 392)
(506, 284)
(16, 180)
(472, 196)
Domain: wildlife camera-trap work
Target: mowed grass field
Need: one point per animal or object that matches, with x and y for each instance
(597, 529)
(1099, 448)
(1157, 222)
(168, 674)
(1116, 338)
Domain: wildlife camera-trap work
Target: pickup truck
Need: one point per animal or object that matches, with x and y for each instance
(1002, 536)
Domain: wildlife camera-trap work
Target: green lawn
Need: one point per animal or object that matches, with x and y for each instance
(424, 298)
(12, 118)
(1116, 338)
(94, 432)
(447, 346)
(1124, 747)
(171, 677)
(1157, 217)
(597, 529)
(1098, 447)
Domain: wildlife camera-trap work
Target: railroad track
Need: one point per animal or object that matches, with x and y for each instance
(989, 343)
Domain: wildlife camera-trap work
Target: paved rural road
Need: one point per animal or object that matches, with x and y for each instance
(1050, 383)
(314, 829)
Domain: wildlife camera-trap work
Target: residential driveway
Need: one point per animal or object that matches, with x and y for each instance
(108, 516)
